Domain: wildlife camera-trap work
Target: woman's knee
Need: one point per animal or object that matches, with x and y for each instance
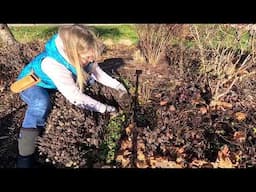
(42, 103)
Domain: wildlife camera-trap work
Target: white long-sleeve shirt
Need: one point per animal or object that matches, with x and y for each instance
(65, 83)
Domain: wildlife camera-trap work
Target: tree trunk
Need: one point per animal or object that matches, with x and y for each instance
(6, 36)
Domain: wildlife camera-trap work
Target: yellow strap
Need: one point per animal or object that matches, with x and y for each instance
(24, 83)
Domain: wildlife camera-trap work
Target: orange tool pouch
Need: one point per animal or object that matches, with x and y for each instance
(24, 83)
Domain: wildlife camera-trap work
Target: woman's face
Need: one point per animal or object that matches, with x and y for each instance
(86, 57)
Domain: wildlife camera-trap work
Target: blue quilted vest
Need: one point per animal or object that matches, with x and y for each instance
(35, 65)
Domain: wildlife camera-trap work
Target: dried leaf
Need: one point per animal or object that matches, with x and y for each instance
(164, 102)
(160, 162)
(239, 136)
(140, 156)
(172, 108)
(69, 164)
(169, 135)
(243, 72)
(254, 130)
(226, 105)
(222, 104)
(142, 164)
(197, 99)
(152, 163)
(128, 130)
(180, 150)
(198, 163)
(223, 160)
(126, 153)
(158, 95)
(224, 151)
(126, 144)
(203, 110)
(224, 163)
(240, 116)
(179, 160)
(140, 146)
(124, 161)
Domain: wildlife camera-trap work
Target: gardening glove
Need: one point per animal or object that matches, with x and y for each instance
(112, 111)
(121, 87)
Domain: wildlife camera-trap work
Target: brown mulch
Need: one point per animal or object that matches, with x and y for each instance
(174, 127)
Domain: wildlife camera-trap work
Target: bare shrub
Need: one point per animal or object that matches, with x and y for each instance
(250, 29)
(225, 56)
(153, 40)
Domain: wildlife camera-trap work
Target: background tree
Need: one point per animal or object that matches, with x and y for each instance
(6, 36)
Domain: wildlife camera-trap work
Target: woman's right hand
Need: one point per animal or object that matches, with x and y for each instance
(110, 109)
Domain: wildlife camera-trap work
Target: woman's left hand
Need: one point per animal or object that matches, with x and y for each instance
(121, 87)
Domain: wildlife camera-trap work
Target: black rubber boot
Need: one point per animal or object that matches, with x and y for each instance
(25, 161)
(26, 147)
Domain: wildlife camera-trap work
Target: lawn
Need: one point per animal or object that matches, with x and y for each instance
(116, 33)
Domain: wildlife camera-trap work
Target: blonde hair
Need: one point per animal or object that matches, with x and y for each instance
(76, 39)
